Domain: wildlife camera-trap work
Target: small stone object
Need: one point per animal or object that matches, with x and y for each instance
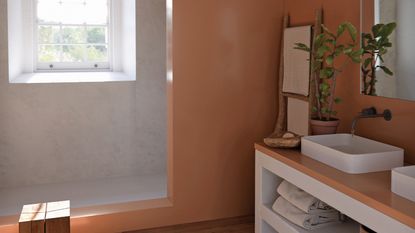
(286, 140)
(288, 135)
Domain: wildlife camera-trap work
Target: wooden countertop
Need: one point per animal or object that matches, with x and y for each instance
(372, 189)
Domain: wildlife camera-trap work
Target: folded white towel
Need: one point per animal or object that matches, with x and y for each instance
(302, 219)
(301, 199)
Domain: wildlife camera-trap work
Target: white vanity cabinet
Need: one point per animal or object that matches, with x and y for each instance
(274, 166)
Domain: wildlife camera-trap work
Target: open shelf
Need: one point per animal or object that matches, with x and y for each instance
(271, 222)
(365, 198)
(267, 228)
(281, 224)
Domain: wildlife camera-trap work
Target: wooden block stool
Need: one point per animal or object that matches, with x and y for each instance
(51, 217)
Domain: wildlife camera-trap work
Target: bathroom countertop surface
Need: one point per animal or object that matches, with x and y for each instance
(372, 189)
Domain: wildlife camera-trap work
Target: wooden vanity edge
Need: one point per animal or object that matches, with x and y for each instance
(281, 155)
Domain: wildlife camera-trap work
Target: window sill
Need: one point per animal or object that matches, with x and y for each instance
(72, 77)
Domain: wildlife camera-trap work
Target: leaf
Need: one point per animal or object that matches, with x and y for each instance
(360, 52)
(329, 60)
(348, 50)
(381, 58)
(387, 29)
(324, 86)
(356, 59)
(387, 44)
(356, 55)
(386, 70)
(314, 109)
(352, 30)
(327, 31)
(326, 72)
(376, 29)
(339, 50)
(331, 41)
(340, 30)
(322, 50)
(371, 47)
(319, 39)
(303, 47)
(337, 100)
(367, 62)
(367, 36)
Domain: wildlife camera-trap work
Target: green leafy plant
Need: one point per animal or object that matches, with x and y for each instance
(375, 46)
(327, 48)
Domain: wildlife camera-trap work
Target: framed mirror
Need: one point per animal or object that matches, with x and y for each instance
(388, 66)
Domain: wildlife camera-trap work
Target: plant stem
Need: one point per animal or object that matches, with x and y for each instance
(317, 87)
(365, 75)
(333, 87)
(332, 91)
(372, 90)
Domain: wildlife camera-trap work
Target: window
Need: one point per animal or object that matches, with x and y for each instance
(377, 11)
(72, 34)
(54, 41)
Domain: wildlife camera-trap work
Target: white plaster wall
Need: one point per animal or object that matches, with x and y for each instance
(128, 27)
(20, 23)
(15, 26)
(400, 57)
(125, 57)
(405, 49)
(52, 133)
(387, 85)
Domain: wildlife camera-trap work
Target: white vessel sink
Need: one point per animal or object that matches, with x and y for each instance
(403, 182)
(352, 154)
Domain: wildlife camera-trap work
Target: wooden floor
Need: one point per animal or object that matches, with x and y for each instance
(234, 225)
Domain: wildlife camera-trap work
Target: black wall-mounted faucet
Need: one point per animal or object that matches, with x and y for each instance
(371, 113)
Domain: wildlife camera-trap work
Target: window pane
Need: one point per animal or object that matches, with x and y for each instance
(49, 53)
(73, 53)
(97, 53)
(73, 35)
(73, 11)
(49, 11)
(97, 35)
(73, 31)
(49, 35)
(97, 11)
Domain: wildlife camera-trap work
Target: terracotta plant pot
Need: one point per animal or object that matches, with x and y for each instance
(324, 127)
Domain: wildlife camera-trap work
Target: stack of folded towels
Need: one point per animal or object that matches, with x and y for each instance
(303, 209)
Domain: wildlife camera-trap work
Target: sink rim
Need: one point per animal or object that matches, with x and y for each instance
(387, 157)
(403, 171)
(391, 148)
(402, 183)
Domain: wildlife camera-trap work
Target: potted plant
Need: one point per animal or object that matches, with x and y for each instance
(328, 47)
(375, 45)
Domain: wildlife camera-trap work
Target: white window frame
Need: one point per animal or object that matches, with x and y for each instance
(377, 11)
(74, 66)
(122, 49)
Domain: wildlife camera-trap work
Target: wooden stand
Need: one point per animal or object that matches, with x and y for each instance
(52, 217)
(281, 124)
(32, 219)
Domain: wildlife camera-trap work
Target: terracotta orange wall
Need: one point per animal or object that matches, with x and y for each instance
(401, 130)
(368, 17)
(224, 100)
(225, 62)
